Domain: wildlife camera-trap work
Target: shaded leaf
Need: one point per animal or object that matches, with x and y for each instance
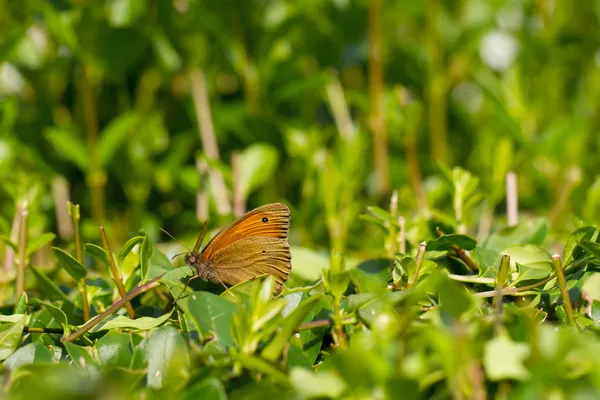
(445, 242)
(212, 314)
(97, 252)
(39, 241)
(70, 264)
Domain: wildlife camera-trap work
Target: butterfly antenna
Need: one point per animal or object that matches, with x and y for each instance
(171, 236)
(200, 237)
(179, 254)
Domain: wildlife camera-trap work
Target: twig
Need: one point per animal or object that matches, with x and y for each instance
(562, 283)
(512, 199)
(21, 267)
(116, 273)
(461, 253)
(208, 138)
(320, 323)
(125, 300)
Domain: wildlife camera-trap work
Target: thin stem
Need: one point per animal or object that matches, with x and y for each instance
(21, 267)
(377, 114)
(573, 179)
(116, 273)
(9, 254)
(512, 199)
(60, 192)
(28, 329)
(124, 301)
(208, 138)
(320, 323)
(73, 210)
(339, 108)
(410, 148)
(437, 85)
(562, 283)
(514, 291)
(392, 239)
(419, 260)
(239, 202)
(501, 279)
(402, 235)
(202, 194)
(96, 179)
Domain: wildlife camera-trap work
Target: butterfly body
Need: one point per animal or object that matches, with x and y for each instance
(253, 245)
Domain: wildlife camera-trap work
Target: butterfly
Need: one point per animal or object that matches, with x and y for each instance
(253, 245)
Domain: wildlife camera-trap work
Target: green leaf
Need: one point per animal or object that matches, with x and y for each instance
(528, 231)
(68, 146)
(115, 350)
(145, 255)
(308, 264)
(536, 263)
(287, 327)
(38, 242)
(212, 314)
(311, 385)
(8, 242)
(58, 314)
(257, 165)
(127, 247)
(167, 358)
(21, 305)
(159, 264)
(97, 252)
(592, 248)
(596, 313)
(259, 365)
(381, 214)
(209, 388)
(114, 135)
(445, 242)
(10, 337)
(123, 322)
(70, 264)
(35, 352)
(121, 13)
(371, 275)
(83, 358)
(503, 359)
(572, 249)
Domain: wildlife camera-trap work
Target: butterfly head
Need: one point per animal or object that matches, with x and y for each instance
(192, 258)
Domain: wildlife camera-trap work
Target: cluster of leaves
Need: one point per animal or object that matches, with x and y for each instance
(420, 323)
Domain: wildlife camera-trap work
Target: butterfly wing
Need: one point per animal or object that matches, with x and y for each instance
(250, 257)
(270, 220)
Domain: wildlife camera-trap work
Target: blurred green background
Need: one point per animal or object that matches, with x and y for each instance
(164, 113)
